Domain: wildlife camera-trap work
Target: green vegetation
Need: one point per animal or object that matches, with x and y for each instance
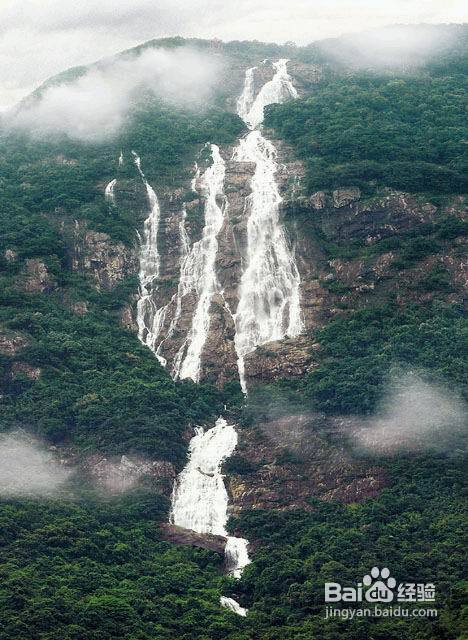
(99, 387)
(95, 570)
(62, 178)
(409, 245)
(359, 349)
(90, 568)
(415, 527)
(370, 132)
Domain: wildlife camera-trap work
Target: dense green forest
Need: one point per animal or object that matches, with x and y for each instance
(95, 570)
(372, 131)
(84, 567)
(59, 176)
(100, 389)
(359, 350)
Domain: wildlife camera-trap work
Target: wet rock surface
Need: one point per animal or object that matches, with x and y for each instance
(179, 535)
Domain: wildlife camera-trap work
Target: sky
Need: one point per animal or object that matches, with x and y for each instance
(39, 38)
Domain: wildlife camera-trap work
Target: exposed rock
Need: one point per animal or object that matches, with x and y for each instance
(304, 76)
(179, 535)
(26, 369)
(318, 200)
(126, 318)
(36, 278)
(343, 197)
(80, 307)
(121, 475)
(219, 356)
(298, 457)
(106, 260)
(10, 343)
(10, 255)
(288, 358)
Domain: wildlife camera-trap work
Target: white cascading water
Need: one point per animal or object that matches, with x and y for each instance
(109, 191)
(233, 605)
(269, 296)
(198, 272)
(148, 316)
(268, 307)
(200, 499)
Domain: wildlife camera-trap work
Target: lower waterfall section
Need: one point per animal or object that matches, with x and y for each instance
(237, 555)
(200, 499)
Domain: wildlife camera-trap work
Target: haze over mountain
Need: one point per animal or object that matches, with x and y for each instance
(232, 284)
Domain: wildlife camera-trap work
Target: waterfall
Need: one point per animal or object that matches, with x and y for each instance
(269, 296)
(198, 271)
(197, 274)
(176, 300)
(109, 191)
(268, 307)
(232, 605)
(237, 555)
(246, 99)
(200, 499)
(149, 318)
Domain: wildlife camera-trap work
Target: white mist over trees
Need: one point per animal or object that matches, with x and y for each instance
(94, 107)
(414, 415)
(27, 468)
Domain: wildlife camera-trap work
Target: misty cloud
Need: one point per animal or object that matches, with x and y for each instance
(95, 106)
(42, 37)
(414, 415)
(396, 46)
(27, 468)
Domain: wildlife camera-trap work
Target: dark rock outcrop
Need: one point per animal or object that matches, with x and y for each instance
(179, 535)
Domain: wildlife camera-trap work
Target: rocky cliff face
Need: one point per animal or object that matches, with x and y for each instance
(347, 250)
(105, 261)
(179, 535)
(285, 462)
(342, 218)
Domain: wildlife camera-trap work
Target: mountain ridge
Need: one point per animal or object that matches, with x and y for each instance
(382, 278)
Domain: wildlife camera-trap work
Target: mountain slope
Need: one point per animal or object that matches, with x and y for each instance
(375, 224)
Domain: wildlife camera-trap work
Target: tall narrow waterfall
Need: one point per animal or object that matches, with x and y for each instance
(148, 317)
(269, 297)
(198, 271)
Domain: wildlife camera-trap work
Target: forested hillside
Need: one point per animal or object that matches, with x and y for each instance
(372, 167)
